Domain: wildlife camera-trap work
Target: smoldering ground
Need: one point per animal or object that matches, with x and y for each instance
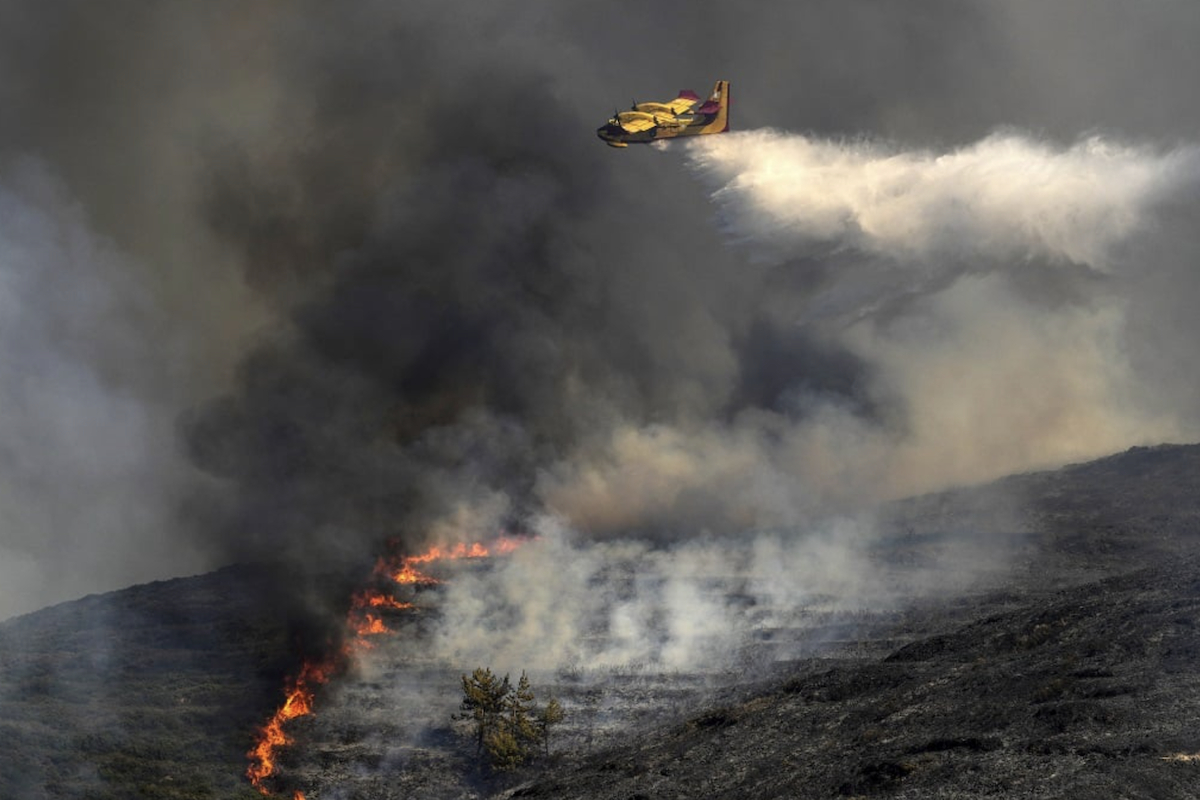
(434, 306)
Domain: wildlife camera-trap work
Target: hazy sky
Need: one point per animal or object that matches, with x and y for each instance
(284, 280)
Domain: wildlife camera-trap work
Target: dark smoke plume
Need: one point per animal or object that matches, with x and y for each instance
(408, 295)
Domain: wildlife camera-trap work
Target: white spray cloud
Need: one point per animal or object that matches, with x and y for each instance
(1005, 197)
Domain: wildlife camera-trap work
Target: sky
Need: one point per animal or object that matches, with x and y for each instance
(285, 281)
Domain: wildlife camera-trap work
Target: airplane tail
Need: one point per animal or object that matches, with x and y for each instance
(720, 96)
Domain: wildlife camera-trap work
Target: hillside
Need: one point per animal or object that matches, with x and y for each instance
(149, 692)
(1070, 669)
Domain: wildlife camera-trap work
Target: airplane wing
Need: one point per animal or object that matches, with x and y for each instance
(635, 121)
(686, 101)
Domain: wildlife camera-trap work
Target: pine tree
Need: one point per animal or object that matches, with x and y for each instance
(484, 701)
(505, 752)
(507, 722)
(522, 711)
(548, 717)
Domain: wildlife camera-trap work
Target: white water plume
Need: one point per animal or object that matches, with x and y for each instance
(1004, 197)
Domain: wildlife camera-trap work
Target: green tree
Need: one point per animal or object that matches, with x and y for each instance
(505, 751)
(507, 723)
(484, 701)
(522, 714)
(547, 718)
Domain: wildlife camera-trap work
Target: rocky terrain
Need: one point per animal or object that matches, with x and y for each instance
(1066, 664)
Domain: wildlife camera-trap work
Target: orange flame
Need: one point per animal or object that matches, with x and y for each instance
(370, 625)
(386, 601)
(299, 693)
(298, 703)
(406, 572)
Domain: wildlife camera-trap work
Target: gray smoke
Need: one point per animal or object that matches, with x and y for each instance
(91, 477)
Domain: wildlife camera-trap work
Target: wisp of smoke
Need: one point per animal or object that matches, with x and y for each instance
(563, 599)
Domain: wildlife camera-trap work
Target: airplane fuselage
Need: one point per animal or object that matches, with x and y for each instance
(615, 136)
(687, 115)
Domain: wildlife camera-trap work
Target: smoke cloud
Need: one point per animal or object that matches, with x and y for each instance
(981, 295)
(87, 437)
(1001, 271)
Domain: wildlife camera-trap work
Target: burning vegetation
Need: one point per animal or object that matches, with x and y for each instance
(407, 570)
(361, 624)
(299, 703)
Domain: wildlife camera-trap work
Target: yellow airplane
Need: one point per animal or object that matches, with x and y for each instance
(686, 115)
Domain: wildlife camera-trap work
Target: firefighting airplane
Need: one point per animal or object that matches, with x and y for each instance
(686, 115)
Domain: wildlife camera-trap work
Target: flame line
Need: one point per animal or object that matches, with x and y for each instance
(300, 692)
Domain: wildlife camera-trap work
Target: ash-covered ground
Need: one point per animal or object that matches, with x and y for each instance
(389, 729)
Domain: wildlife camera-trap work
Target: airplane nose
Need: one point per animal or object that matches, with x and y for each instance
(610, 135)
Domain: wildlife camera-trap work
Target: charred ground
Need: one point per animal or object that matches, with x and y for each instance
(1072, 670)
